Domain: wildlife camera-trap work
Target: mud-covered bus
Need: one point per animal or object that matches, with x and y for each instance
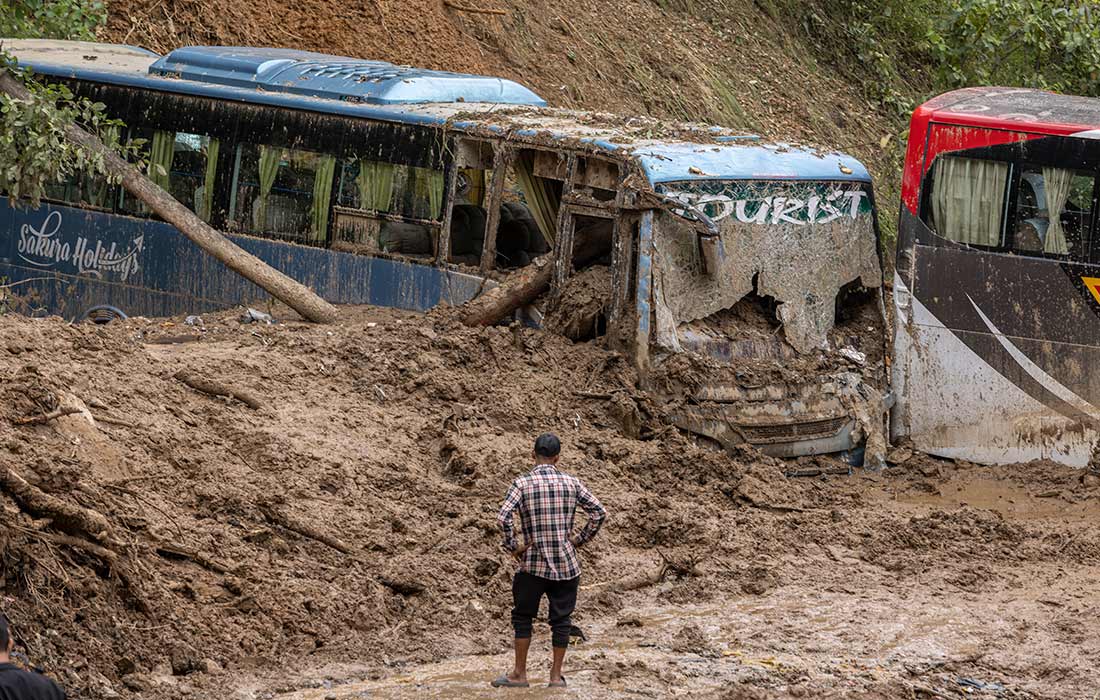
(997, 291)
(730, 271)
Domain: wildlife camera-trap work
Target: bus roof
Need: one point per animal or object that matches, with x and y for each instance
(317, 82)
(1014, 108)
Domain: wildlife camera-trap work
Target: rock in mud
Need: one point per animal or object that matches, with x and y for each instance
(485, 568)
(691, 640)
(759, 580)
(899, 455)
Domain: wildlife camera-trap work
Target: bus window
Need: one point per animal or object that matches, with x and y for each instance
(405, 191)
(968, 200)
(84, 190)
(182, 164)
(1043, 190)
(387, 207)
(282, 192)
(470, 187)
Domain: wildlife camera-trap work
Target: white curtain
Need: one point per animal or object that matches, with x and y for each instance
(968, 199)
(1057, 182)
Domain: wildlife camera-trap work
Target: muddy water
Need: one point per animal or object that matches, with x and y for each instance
(798, 636)
(840, 620)
(1013, 501)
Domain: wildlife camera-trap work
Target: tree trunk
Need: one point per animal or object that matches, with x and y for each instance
(294, 294)
(525, 285)
(519, 289)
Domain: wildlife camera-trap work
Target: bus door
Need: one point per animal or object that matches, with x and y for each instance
(997, 325)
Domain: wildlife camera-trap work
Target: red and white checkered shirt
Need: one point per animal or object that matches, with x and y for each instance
(547, 500)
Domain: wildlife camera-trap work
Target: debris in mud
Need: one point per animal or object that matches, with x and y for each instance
(899, 455)
(251, 315)
(758, 580)
(754, 491)
(629, 621)
(691, 640)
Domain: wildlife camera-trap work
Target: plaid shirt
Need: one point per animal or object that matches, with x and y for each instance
(547, 500)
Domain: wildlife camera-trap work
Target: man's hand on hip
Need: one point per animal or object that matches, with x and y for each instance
(517, 554)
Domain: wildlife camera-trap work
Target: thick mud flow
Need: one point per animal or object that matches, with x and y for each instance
(335, 537)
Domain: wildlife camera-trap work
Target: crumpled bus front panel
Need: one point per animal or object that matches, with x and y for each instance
(792, 392)
(802, 241)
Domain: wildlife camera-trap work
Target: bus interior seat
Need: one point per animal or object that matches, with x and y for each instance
(519, 239)
(405, 238)
(467, 232)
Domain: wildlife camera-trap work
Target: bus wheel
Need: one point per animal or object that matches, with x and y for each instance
(104, 313)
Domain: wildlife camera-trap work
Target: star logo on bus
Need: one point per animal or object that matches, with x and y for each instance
(1093, 285)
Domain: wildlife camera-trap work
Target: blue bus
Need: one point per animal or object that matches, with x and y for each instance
(380, 184)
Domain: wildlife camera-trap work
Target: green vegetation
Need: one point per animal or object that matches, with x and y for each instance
(1037, 43)
(33, 150)
(902, 52)
(51, 19)
(907, 50)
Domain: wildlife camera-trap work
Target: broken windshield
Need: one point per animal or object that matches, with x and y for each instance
(799, 242)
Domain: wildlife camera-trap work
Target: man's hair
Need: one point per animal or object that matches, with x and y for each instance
(5, 632)
(547, 445)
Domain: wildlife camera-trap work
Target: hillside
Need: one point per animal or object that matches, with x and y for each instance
(730, 62)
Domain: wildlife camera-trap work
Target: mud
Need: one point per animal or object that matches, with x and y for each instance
(340, 539)
(579, 312)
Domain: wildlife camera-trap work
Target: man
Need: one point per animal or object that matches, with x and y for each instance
(17, 684)
(548, 565)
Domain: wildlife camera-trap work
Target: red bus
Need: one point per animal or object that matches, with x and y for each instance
(997, 289)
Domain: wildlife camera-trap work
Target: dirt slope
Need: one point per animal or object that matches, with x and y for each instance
(726, 62)
(389, 440)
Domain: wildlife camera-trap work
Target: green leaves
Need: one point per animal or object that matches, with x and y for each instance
(908, 50)
(33, 149)
(33, 146)
(51, 19)
(1034, 43)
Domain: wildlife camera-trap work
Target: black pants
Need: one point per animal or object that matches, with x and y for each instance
(527, 591)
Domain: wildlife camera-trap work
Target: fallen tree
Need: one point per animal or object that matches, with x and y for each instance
(524, 286)
(289, 291)
(68, 517)
(209, 386)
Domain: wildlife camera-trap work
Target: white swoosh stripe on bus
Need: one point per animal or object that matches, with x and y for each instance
(1037, 373)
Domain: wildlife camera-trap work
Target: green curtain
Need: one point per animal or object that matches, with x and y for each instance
(475, 178)
(212, 147)
(541, 200)
(322, 191)
(435, 194)
(269, 168)
(428, 187)
(97, 187)
(161, 152)
(375, 185)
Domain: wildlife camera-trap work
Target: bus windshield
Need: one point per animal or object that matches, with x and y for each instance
(797, 242)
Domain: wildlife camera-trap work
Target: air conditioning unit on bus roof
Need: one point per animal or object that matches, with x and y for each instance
(336, 77)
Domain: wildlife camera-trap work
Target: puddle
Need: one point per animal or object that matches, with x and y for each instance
(798, 632)
(1013, 501)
